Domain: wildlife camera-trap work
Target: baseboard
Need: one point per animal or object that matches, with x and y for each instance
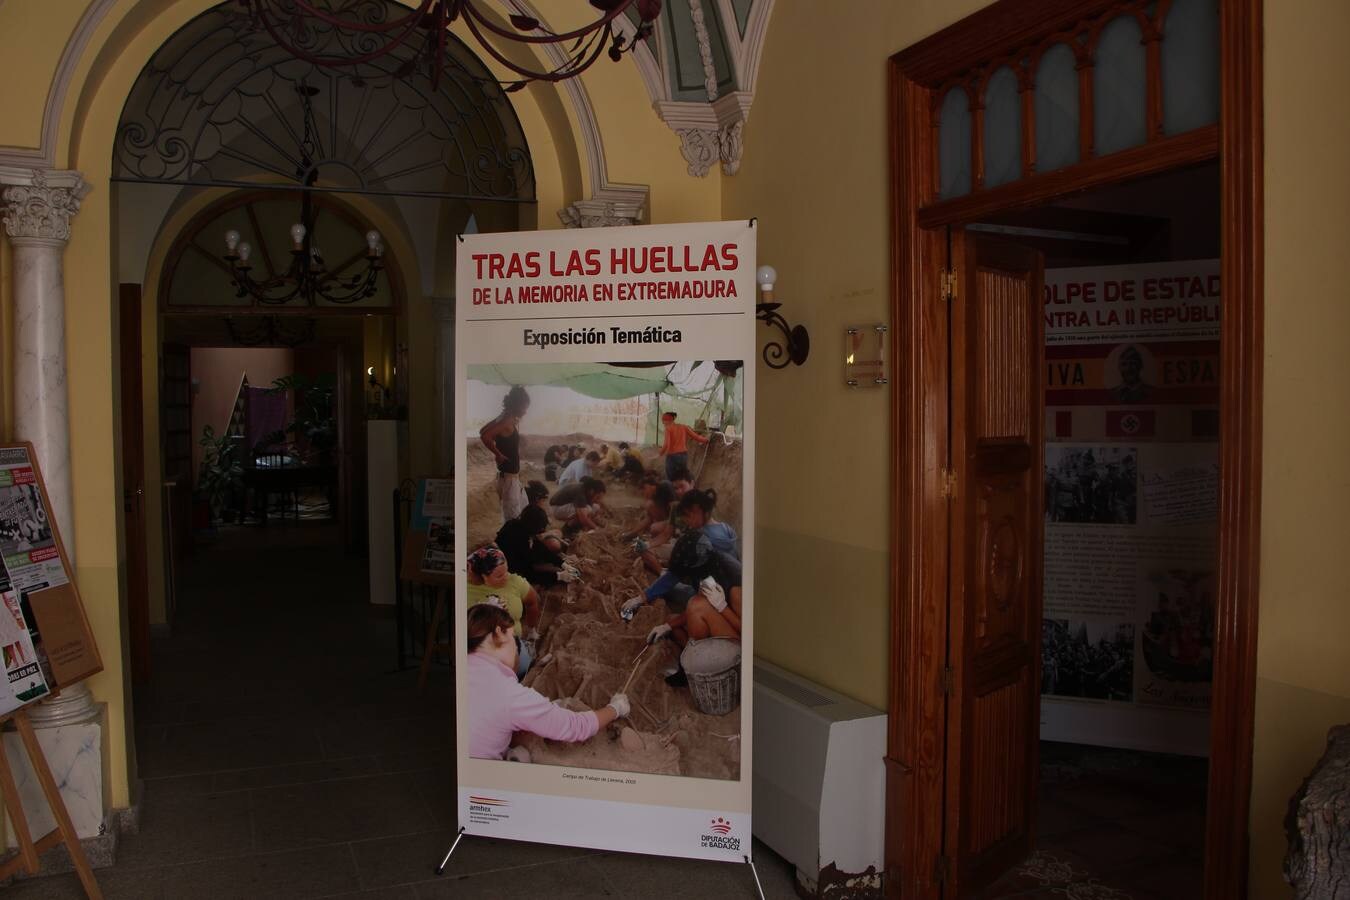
(101, 849)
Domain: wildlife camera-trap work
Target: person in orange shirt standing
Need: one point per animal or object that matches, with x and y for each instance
(675, 448)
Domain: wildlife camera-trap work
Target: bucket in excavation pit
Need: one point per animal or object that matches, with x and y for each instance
(713, 667)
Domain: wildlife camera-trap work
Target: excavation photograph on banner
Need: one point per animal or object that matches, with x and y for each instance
(604, 522)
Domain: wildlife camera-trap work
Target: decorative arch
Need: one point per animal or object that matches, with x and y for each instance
(220, 102)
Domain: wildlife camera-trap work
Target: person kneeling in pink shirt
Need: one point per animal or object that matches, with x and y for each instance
(499, 705)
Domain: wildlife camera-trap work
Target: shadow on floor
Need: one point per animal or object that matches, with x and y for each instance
(283, 756)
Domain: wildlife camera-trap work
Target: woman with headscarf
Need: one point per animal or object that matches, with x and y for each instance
(499, 705)
(502, 437)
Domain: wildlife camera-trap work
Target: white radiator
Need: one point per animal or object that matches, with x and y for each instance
(819, 781)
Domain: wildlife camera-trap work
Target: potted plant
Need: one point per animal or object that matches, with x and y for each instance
(313, 425)
(221, 474)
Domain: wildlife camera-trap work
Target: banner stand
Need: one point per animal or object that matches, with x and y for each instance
(440, 870)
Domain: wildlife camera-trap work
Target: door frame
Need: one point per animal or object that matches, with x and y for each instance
(919, 514)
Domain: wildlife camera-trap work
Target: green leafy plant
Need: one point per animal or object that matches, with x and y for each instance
(222, 472)
(314, 424)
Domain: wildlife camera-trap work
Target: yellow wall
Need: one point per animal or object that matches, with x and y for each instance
(31, 41)
(1303, 667)
(815, 172)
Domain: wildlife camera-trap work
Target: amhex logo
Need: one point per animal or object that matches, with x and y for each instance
(486, 804)
(721, 838)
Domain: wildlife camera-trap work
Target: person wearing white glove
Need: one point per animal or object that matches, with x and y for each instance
(630, 607)
(659, 633)
(499, 705)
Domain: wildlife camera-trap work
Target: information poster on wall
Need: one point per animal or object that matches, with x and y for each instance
(1131, 502)
(604, 509)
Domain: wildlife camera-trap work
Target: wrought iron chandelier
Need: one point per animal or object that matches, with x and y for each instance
(308, 276)
(298, 25)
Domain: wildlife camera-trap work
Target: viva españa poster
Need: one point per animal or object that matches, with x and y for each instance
(604, 507)
(1131, 503)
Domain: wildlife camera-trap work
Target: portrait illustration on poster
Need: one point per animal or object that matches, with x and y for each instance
(604, 536)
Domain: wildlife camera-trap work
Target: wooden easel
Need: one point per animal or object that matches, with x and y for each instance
(29, 849)
(435, 647)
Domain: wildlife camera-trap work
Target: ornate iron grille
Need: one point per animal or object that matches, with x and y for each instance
(218, 105)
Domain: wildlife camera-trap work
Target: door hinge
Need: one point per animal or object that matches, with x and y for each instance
(948, 285)
(948, 483)
(942, 869)
(948, 680)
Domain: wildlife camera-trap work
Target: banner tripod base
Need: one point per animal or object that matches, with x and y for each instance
(458, 837)
(753, 871)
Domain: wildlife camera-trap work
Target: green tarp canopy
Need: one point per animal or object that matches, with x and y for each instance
(597, 380)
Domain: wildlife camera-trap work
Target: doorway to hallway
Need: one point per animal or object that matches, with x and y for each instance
(1011, 146)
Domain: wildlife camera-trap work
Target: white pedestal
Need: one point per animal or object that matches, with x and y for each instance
(383, 439)
(75, 755)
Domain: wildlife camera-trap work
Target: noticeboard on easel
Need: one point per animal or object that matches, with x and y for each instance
(46, 644)
(45, 638)
(429, 544)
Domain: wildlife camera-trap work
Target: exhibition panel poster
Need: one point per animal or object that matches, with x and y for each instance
(604, 536)
(1131, 502)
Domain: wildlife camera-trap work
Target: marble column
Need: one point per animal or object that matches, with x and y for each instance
(37, 207)
(37, 218)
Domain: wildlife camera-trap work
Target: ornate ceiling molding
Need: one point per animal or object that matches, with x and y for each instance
(711, 126)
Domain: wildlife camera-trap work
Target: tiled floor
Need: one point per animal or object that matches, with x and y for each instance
(283, 757)
(1114, 825)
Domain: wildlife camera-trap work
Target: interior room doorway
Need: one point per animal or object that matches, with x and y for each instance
(1019, 106)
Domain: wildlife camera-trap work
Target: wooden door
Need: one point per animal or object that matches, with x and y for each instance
(997, 412)
(133, 479)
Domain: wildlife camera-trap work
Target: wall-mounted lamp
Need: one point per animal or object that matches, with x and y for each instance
(372, 380)
(796, 342)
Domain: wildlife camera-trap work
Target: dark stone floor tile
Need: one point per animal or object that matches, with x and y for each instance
(414, 760)
(350, 810)
(424, 733)
(415, 857)
(638, 875)
(116, 884)
(185, 829)
(577, 879)
(402, 892)
(297, 773)
(314, 872)
(177, 787)
(217, 746)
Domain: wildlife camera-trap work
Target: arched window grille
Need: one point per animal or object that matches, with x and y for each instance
(220, 104)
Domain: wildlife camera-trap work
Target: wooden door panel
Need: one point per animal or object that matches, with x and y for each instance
(133, 479)
(994, 643)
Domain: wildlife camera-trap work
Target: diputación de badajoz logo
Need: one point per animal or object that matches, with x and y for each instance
(721, 837)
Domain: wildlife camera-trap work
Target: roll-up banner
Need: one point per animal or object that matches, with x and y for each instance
(1131, 502)
(604, 504)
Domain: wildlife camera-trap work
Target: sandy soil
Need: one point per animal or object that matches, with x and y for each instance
(587, 653)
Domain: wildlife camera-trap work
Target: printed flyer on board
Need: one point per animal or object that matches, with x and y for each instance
(604, 504)
(1131, 503)
(31, 562)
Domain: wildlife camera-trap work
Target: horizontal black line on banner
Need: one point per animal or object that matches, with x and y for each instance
(605, 316)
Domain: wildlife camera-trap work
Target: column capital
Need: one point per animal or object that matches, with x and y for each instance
(38, 204)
